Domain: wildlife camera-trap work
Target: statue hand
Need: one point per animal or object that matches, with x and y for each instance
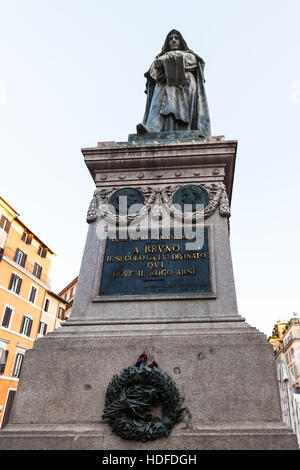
(158, 63)
(161, 78)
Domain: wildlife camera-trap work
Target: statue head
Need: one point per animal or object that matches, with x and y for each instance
(174, 42)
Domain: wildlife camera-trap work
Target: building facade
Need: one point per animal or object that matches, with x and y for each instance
(286, 343)
(28, 307)
(68, 294)
(277, 334)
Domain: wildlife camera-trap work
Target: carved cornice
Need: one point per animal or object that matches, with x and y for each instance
(106, 164)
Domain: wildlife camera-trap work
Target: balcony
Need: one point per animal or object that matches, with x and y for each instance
(11, 254)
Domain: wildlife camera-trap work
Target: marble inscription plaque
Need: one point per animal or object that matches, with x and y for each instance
(165, 266)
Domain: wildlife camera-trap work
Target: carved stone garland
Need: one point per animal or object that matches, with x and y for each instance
(157, 198)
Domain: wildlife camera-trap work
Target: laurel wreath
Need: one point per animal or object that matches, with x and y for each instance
(129, 396)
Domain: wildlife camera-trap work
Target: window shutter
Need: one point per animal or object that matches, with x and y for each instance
(29, 238)
(3, 360)
(37, 270)
(7, 316)
(18, 365)
(33, 293)
(23, 237)
(29, 327)
(23, 262)
(7, 227)
(19, 283)
(15, 369)
(44, 252)
(11, 282)
(4, 223)
(22, 326)
(43, 328)
(21, 358)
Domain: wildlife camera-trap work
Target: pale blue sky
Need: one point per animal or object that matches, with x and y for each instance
(72, 74)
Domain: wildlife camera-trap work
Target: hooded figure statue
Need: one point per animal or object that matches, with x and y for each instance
(176, 99)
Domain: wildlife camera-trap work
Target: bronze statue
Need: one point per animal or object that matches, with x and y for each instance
(176, 99)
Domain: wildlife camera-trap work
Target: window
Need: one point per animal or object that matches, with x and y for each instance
(46, 306)
(3, 360)
(15, 283)
(7, 317)
(4, 224)
(32, 295)
(37, 270)
(288, 339)
(61, 313)
(295, 373)
(20, 258)
(26, 326)
(42, 328)
(287, 358)
(292, 354)
(27, 238)
(18, 365)
(42, 251)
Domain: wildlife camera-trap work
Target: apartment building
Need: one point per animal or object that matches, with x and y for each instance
(277, 334)
(286, 344)
(68, 294)
(28, 307)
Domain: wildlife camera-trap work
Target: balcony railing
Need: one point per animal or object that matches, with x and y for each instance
(11, 254)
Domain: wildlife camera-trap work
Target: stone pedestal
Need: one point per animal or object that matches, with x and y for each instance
(224, 368)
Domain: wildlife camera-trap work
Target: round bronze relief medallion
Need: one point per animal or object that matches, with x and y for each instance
(126, 198)
(190, 196)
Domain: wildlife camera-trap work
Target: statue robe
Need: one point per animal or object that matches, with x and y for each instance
(175, 108)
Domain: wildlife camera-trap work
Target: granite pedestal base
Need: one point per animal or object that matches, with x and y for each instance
(224, 371)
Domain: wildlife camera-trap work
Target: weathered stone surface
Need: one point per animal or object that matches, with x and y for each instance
(231, 397)
(170, 135)
(224, 369)
(232, 436)
(199, 163)
(212, 160)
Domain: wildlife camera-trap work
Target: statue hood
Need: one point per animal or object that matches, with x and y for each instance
(166, 47)
(185, 48)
